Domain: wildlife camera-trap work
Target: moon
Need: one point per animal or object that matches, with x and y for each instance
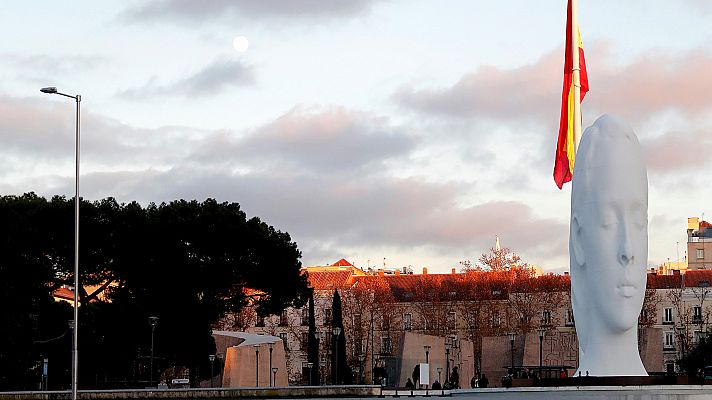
(240, 43)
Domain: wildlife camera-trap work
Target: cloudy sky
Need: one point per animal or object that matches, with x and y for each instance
(410, 130)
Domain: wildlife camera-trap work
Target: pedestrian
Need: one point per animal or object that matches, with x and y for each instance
(455, 379)
(473, 382)
(409, 384)
(436, 385)
(483, 382)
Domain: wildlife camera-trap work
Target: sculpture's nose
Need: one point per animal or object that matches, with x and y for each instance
(625, 255)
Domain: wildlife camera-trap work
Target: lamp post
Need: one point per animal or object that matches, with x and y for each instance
(683, 338)
(448, 343)
(336, 331)
(541, 331)
(512, 336)
(317, 336)
(361, 358)
(271, 347)
(274, 375)
(257, 364)
(153, 321)
(212, 363)
(221, 364)
(75, 350)
(440, 370)
(310, 365)
(427, 353)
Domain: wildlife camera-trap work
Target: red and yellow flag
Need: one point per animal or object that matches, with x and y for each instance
(565, 147)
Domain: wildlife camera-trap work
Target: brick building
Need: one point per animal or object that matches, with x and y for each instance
(464, 319)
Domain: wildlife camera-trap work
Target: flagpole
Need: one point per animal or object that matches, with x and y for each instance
(576, 73)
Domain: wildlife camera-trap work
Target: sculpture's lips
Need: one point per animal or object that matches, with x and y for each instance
(627, 291)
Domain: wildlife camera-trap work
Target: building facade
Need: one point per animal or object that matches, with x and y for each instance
(483, 308)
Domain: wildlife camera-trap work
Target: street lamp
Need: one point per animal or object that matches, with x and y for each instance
(448, 344)
(336, 331)
(75, 350)
(317, 336)
(257, 364)
(541, 331)
(221, 364)
(211, 357)
(512, 336)
(440, 370)
(274, 375)
(683, 338)
(153, 321)
(271, 347)
(361, 358)
(310, 365)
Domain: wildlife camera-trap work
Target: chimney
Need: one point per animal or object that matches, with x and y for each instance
(425, 270)
(566, 273)
(453, 271)
(397, 272)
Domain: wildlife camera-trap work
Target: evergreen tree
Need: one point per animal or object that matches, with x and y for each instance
(342, 374)
(313, 344)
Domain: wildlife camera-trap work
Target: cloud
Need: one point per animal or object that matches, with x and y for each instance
(362, 211)
(490, 92)
(41, 130)
(326, 139)
(678, 150)
(654, 83)
(321, 173)
(58, 65)
(192, 11)
(216, 77)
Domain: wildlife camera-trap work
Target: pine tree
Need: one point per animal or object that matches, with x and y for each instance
(313, 344)
(342, 374)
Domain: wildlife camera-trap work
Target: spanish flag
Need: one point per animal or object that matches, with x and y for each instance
(566, 147)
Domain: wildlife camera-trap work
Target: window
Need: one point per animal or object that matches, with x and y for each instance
(357, 320)
(667, 315)
(260, 322)
(698, 336)
(669, 340)
(386, 322)
(283, 336)
(697, 314)
(327, 316)
(700, 254)
(670, 367)
(496, 320)
(451, 320)
(283, 319)
(385, 345)
(304, 342)
(570, 318)
(305, 316)
(407, 322)
(546, 317)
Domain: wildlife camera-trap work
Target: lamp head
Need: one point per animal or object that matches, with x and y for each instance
(50, 90)
(153, 321)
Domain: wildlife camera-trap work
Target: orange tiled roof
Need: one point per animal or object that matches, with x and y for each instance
(696, 278)
(329, 280)
(664, 281)
(64, 293)
(342, 263)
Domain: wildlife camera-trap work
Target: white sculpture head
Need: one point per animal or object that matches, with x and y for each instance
(608, 243)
